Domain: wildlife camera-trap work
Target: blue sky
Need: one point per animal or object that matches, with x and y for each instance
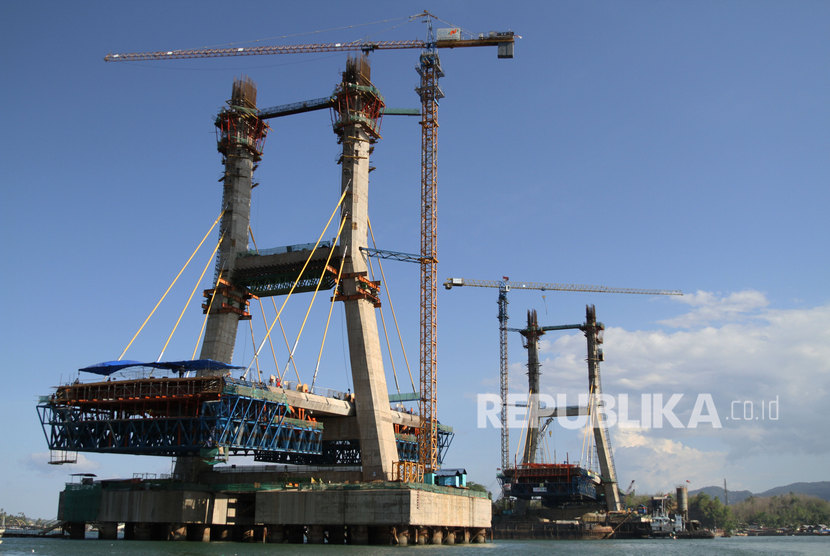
(634, 144)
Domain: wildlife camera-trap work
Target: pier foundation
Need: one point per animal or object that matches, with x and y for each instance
(107, 531)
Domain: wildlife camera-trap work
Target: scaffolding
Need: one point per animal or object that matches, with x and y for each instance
(554, 484)
(208, 417)
(211, 417)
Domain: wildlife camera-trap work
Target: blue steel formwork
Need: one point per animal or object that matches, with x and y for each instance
(231, 424)
(211, 417)
(347, 452)
(408, 444)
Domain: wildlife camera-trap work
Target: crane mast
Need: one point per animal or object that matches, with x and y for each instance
(430, 71)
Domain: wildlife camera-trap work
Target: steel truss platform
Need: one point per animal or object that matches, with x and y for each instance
(208, 417)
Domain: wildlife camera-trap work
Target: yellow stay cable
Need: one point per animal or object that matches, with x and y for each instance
(392, 308)
(385, 333)
(262, 307)
(591, 416)
(328, 320)
(218, 218)
(256, 358)
(547, 449)
(524, 429)
(299, 277)
(207, 313)
(313, 297)
(192, 292)
(282, 329)
(265, 323)
(285, 339)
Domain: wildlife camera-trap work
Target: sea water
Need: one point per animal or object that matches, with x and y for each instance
(662, 547)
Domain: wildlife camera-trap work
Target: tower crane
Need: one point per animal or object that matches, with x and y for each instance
(430, 71)
(505, 285)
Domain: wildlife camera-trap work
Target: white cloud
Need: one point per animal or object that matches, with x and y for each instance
(711, 308)
(741, 352)
(658, 465)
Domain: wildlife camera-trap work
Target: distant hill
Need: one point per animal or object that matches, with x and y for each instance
(819, 489)
(735, 496)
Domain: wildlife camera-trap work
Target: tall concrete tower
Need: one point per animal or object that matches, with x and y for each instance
(357, 117)
(532, 334)
(240, 137)
(592, 330)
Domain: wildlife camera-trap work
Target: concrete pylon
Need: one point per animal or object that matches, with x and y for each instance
(241, 134)
(592, 330)
(532, 334)
(357, 113)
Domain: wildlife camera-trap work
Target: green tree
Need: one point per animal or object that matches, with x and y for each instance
(789, 510)
(710, 512)
(634, 500)
(479, 487)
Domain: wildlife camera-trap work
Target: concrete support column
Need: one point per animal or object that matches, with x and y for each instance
(177, 532)
(316, 534)
(479, 536)
(77, 529)
(274, 533)
(358, 534)
(198, 532)
(401, 534)
(449, 536)
(142, 532)
(241, 135)
(437, 535)
(381, 535)
(337, 534)
(221, 328)
(107, 531)
(221, 533)
(295, 534)
(358, 103)
(421, 535)
(248, 533)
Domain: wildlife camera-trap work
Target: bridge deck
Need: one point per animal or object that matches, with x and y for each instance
(213, 417)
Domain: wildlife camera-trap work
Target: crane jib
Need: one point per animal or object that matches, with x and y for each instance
(497, 39)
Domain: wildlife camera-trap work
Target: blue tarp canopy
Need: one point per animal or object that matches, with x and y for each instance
(109, 367)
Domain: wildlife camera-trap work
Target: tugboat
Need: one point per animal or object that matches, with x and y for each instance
(662, 526)
(681, 527)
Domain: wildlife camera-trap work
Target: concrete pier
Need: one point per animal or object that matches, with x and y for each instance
(198, 532)
(375, 513)
(203, 505)
(107, 531)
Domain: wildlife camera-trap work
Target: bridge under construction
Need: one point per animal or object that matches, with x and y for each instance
(336, 467)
